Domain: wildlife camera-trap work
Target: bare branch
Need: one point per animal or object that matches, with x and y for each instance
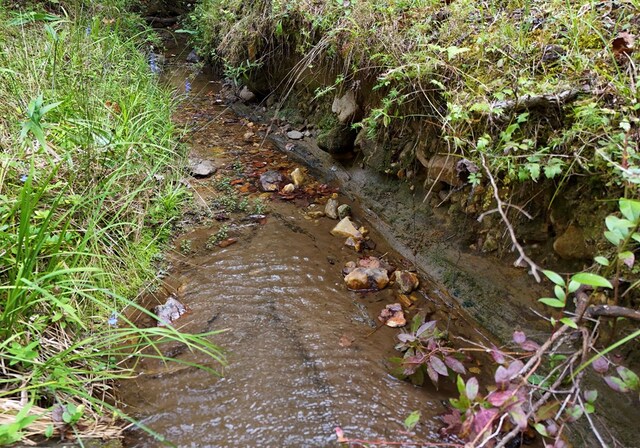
(535, 269)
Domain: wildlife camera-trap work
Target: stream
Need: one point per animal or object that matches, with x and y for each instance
(305, 355)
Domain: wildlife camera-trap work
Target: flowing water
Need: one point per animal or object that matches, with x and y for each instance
(304, 354)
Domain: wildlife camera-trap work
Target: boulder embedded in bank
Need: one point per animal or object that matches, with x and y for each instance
(337, 140)
(571, 245)
(444, 169)
(345, 107)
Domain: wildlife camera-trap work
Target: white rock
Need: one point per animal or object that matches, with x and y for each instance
(345, 228)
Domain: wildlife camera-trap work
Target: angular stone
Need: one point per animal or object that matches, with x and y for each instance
(315, 214)
(331, 209)
(169, 312)
(201, 168)
(297, 177)
(346, 229)
(406, 281)
(270, 181)
(337, 140)
(289, 188)
(344, 211)
(295, 135)
(355, 243)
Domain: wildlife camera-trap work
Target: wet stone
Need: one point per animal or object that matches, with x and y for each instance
(346, 229)
(169, 312)
(366, 279)
(343, 211)
(331, 209)
(406, 281)
(193, 57)
(270, 181)
(393, 316)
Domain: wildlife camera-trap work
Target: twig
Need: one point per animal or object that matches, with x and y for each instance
(500, 206)
(532, 101)
(612, 311)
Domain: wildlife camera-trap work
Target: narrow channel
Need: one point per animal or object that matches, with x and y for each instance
(305, 355)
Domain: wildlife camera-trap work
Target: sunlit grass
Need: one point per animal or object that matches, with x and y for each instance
(88, 189)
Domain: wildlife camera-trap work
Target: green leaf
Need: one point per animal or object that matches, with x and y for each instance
(601, 260)
(541, 429)
(569, 323)
(555, 278)
(412, 420)
(587, 278)
(613, 237)
(555, 303)
(629, 378)
(573, 286)
(560, 294)
(454, 51)
(630, 209)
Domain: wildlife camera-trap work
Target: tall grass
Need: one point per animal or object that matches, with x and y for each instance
(88, 189)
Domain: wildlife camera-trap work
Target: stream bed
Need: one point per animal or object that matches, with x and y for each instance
(305, 355)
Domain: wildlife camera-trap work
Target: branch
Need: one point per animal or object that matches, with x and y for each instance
(612, 311)
(500, 207)
(533, 101)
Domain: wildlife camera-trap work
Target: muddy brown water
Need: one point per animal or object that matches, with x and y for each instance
(304, 354)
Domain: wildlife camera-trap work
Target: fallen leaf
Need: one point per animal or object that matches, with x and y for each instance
(622, 46)
(228, 242)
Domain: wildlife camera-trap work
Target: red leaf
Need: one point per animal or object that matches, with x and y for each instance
(498, 398)
(455, 365)
(471, 389)
(519, 337)
(601, 364)
(482, 420)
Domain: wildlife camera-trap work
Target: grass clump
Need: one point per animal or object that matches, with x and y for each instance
(87, 194)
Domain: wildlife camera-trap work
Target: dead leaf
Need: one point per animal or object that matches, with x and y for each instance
(474, 370)
(622, 46)
(346, 340)
(228, 242)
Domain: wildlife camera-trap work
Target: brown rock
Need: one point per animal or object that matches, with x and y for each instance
(406, 281)
(443, 169)
(571, 245)
(355, 243)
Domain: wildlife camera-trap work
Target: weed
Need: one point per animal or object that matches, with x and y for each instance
(220, 235)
